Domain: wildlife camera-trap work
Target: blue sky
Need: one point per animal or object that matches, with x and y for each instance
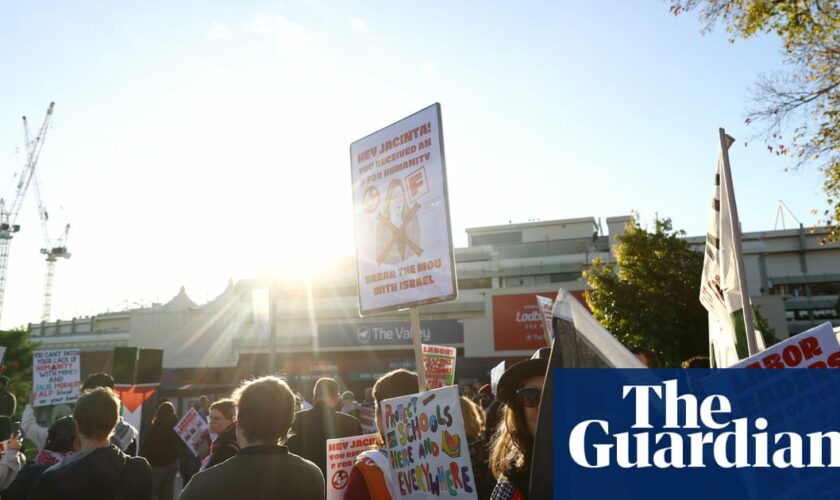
(197, 141)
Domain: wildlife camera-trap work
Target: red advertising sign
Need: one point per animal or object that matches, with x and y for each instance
(517, 324)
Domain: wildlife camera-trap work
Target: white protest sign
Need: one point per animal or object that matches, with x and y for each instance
(814, 348)
(341, 455)
(546, 306)
(193, 430)
(404, 255)
(427, 446)
(495, 375)
(367, 418)
(439, 362)
(55, 376)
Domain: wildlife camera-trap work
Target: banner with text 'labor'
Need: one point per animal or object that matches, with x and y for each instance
(404, 255)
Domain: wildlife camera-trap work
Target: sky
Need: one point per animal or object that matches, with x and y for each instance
(195, 142)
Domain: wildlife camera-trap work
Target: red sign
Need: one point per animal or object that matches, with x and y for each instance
(517, 324)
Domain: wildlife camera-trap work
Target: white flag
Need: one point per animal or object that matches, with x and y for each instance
(720, 288)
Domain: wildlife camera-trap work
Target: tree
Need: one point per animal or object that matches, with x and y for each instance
(805, 99)
(17, 362)
(650, 297)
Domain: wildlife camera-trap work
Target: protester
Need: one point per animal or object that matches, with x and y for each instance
(203, 407)
(492, 409)
(696, 362)
(162, 448)
(99, 470)
(12, 459)
(8, 403)
(648, 357)
(366, 412)
(124, 436)
(485, 396)
(520, 389)
(370, 478)
(222, 423)
(60, 442)
(189, 463)
(263, 469)
(29, 424)
(477, 444)
(312, 428)
(304, 404)
(349, 404)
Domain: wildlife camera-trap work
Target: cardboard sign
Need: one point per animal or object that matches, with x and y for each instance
(495, 375)
(193, 430)
(404, 255)
(814, 348)
(341, 455)
(546, 306)
(439, 362)
(427, 447)
(55, 376)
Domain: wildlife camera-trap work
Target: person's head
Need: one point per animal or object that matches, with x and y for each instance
(485, 395)
(520, 389)
(326, 391)
(348, 397)
(468, 390)
(222, 415)
(265, 411)
(203, 403)
(99, 379)
(473, 419)
(165, 413)
(393, 384)
(61, 437)
(96, 413)
(696, 362)
(4, 383)
(648, 357)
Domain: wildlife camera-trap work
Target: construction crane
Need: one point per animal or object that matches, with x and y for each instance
(8, 215)
(53, 250)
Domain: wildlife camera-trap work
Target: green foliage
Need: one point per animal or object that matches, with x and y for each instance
(650, 297)
(806, 97)
(17, 363)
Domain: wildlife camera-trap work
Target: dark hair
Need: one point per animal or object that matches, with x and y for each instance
(99, 379)
(266, 409)
(62, 435)
(395, 383)
(325, 387)
(5, 427)
(165, 413)
(226, 407)
(650, 354)
(97, 412)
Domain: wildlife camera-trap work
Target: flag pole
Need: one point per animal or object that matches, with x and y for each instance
(725, 142)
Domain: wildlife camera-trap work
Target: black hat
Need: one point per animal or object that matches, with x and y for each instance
(514, 376)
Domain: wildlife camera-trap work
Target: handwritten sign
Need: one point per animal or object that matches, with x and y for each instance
(193, 430)
(56, 376)
(814, 348)
(404, 252)
(427, 447)
(341, 455)
(495, 374)
(440, 365)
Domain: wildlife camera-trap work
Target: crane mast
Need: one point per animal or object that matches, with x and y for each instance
(9, 214)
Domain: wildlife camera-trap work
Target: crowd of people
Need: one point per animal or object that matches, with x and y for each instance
(267, 442)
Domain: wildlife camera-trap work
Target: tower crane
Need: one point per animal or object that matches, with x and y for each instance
(54, 250)
(8, 214)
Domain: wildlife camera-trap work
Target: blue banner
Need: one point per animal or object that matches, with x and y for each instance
(435, 331)
(697, 434)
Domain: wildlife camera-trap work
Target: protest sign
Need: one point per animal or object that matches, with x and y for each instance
(193, 430)
(427, 446)
(341, 455)
(404, 255)
(367, 418)
(546, 307)
(55, 376)
(814, 348)
(439, 362)
(495, 375)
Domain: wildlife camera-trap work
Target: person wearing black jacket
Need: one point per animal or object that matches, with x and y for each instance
(162, 448)
(99, 470)
(312, 428)
(222, 423)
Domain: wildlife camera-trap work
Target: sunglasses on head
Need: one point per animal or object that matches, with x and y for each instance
(529, 396)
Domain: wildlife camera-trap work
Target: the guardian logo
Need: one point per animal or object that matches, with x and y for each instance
(693, 431)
